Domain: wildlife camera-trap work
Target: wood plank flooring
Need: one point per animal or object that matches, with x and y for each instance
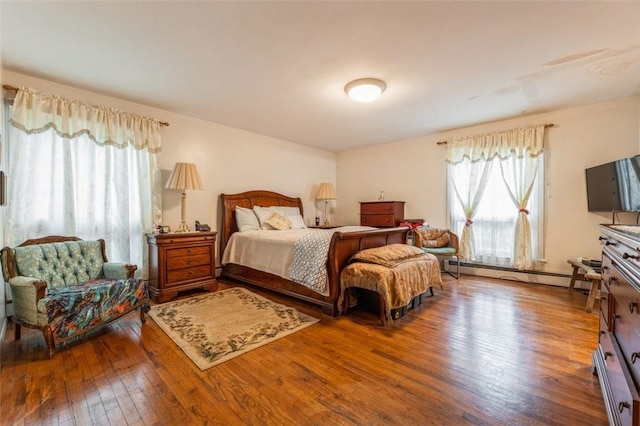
(480, 352)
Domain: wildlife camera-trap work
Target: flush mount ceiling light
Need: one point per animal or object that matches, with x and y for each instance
(365, 89)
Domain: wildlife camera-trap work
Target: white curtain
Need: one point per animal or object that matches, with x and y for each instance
(517, 152)
(519, 175)
(77, 169)
(468, 182)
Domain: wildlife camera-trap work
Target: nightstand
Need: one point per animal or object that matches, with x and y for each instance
(181, 261)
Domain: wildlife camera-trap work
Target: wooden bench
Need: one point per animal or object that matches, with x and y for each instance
(582, 272)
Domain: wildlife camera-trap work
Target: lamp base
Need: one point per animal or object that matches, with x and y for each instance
(183, 227)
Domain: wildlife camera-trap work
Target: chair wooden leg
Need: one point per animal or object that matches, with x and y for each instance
(593, 293)
(48, 337)
(574, 276)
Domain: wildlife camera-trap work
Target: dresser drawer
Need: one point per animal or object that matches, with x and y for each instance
(377, 208)
(605, 301)
(625, 404)
(178, 275)
(188, 251)
(188, 261)
(377, 220)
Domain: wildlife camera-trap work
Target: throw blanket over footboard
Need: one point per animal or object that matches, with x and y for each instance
(398, 272)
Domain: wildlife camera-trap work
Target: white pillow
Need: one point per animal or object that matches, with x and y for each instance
(263, 215)
(278, 221)
(297, 222)
(285, 211)
(246, 219)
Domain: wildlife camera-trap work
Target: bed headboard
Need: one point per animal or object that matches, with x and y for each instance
(249, 199)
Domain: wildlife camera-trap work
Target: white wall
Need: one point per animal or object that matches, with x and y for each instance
(414, 171)
(229, 160)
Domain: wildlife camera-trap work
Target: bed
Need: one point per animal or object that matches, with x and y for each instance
(342, 246)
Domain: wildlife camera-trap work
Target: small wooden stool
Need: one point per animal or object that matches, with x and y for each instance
(589, 275)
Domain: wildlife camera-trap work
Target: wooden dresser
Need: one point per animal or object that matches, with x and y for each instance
(179, 262)
(382, 214)
(617, 358)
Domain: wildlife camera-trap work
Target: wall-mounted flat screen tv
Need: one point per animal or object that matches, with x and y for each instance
(614, 186)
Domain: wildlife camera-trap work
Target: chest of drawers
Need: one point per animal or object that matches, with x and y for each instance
(179, 262)
(617, 358)
(382, 214)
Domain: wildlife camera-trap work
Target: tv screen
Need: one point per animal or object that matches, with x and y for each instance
(614, 186)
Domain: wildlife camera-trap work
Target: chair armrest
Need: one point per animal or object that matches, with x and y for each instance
(118, 271)
(417, 238)
(455, 243)
(25, 294)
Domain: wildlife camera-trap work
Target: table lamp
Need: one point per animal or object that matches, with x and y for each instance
(184, 176)
(325, 193)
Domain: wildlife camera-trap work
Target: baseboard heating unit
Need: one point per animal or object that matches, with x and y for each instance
(512, 274)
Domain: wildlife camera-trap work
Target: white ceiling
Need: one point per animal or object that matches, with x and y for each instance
(279, 68)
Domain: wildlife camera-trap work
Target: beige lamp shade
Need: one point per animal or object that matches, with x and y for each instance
(326, 192)
(184, 176)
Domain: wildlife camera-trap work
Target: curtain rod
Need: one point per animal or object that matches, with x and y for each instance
(546, 126)
(15, 89)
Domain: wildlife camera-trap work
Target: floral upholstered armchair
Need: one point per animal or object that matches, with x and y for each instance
(65, 287)
(440, 242)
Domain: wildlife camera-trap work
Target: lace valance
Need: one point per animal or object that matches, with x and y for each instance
(526, 141)
(36, 112)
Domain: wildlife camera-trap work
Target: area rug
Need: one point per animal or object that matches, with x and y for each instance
(216, 327)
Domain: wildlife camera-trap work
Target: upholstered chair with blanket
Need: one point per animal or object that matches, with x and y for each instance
(65, 287)
(440, 242)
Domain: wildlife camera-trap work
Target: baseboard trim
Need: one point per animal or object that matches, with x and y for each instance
(512, 274)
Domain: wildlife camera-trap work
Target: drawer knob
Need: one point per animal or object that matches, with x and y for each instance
(622, 406)
(189, 262)
(632, 306)
(628, 256)
(605, 267)
(602, 238)
(602, 332)
(612, 280)
(634, 356)
(188, 251)
(607, 355)
(609, 243)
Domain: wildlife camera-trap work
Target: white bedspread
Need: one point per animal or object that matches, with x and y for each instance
(273, 252)
(267, 251)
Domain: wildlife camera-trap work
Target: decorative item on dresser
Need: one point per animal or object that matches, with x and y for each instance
(179, 262)
(617, 358)
(382, 214)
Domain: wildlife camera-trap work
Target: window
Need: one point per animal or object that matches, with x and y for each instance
(496, 196)
(81, 176)
(495, 219)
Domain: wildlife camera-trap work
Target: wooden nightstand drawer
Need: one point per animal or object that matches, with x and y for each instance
(188, 274)
(378, 220)
(188, 251)
(188, 261)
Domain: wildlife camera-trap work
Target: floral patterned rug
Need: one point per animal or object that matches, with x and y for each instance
(215, 327)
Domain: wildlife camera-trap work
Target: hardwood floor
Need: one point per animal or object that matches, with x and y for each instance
(480, 352)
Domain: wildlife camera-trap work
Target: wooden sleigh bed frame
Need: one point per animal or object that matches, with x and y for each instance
(342, 247)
